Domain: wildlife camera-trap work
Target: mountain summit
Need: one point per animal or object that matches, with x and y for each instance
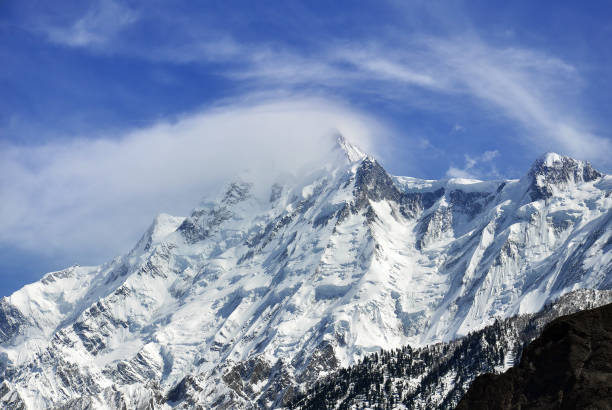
(253, 296)
(352, 152)
(552, 170)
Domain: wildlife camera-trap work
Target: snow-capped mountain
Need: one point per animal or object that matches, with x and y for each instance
(266, 289)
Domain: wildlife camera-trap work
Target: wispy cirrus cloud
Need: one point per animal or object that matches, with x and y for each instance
(536, 90)
(98, 27)
(537, 93)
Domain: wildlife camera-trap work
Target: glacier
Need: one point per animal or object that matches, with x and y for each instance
(265, 289)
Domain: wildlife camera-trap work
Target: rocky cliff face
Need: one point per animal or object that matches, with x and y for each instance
(568, 367)
(264, 290)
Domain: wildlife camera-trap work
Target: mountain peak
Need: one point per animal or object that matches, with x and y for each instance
(352, 152)
(162, 226)
(554, 169)
(552, 160)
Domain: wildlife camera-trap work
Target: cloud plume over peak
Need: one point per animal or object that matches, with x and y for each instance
(93, 198)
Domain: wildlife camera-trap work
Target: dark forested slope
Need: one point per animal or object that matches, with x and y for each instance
(437, 376)
(568, 367)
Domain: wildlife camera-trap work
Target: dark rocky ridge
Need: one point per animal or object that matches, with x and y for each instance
(372, 182)
(568, 367)
(10, 321)
(543, 175)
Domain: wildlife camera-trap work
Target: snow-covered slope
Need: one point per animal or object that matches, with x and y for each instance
(268, 288)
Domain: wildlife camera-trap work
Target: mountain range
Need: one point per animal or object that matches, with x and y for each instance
(263, 291)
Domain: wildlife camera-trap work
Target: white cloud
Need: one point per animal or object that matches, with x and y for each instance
(454, 172)
(530, 88)
(93, 198)
(476, 167)
(469, 162)
(457, 128)
(96, 28)
(371, 62)
(488, 156)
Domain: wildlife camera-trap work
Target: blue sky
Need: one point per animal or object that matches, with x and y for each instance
(112, 112)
